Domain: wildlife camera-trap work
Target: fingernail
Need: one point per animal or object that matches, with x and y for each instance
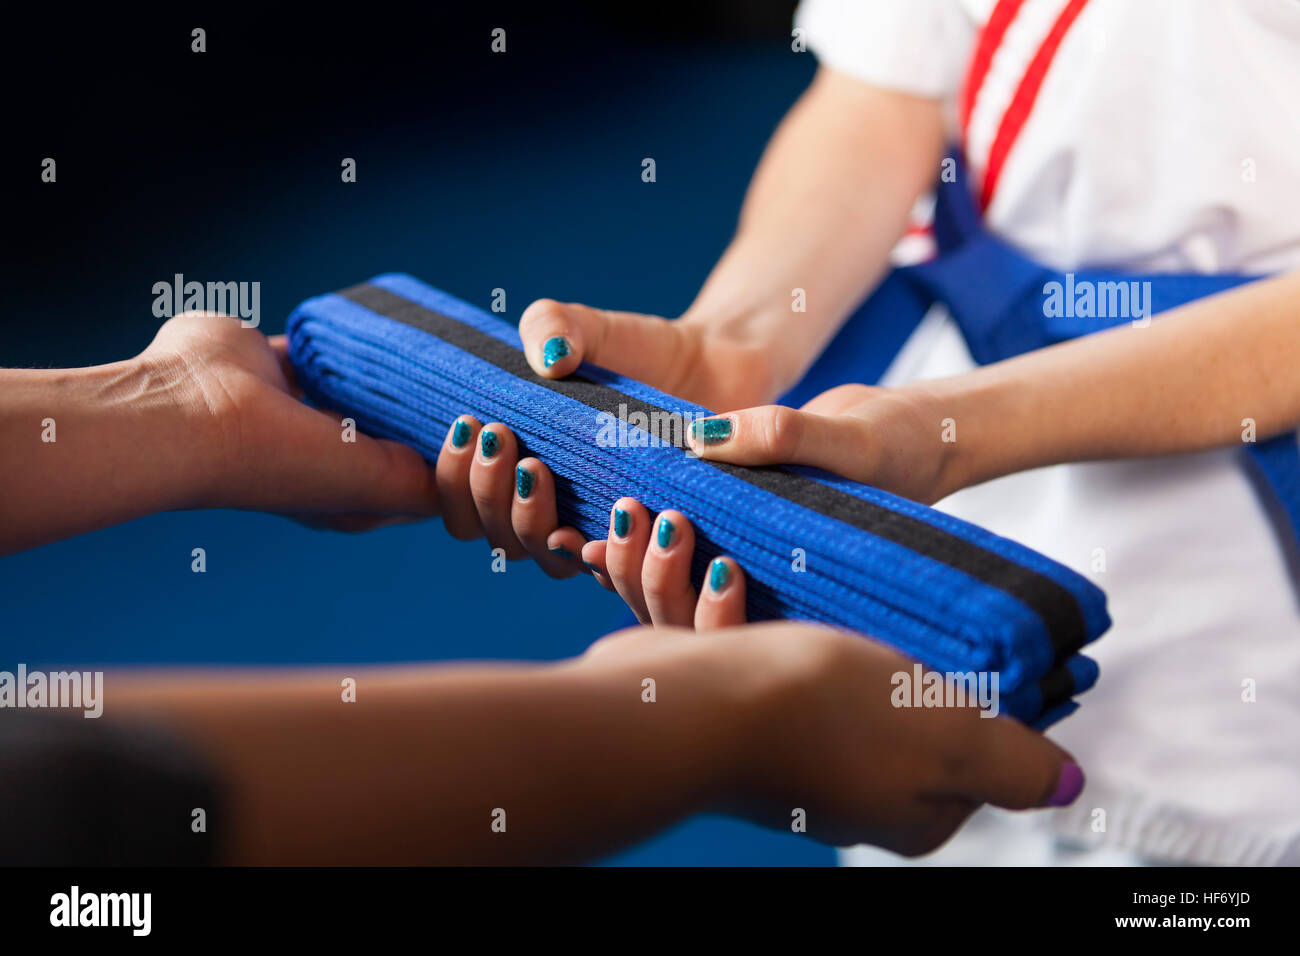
(490, 444)
(591, 567)
(711, 431)
(555, 349)
(666, 531)
(460, 432)
(1068, 787)
(524, 481)
(622, 523)
(719, 575)
(563, 552)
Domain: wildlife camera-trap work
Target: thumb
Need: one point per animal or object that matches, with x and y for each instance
(1017, 768)
(383, 478)
(777, 434)
(559, 336)
(314, 472)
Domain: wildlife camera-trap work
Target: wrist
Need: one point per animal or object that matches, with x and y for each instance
(154, 415)
(733, 360)
(91, 447)
(980, 438)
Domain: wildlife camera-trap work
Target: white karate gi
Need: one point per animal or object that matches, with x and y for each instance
(1165, 137)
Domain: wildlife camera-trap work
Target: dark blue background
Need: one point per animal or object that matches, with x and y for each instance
(475, 171)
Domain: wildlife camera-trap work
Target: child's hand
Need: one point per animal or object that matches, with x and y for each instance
(887, 438)
(486, 491)
(692, 360)
(893, 439)
(647, 560)
(805, 722)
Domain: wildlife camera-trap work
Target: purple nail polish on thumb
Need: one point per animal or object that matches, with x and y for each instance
(1068, 786)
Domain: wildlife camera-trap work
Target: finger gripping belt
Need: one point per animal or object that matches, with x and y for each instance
(405, 360)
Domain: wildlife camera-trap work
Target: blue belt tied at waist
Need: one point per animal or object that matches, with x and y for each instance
(996, 295)
(404, 360)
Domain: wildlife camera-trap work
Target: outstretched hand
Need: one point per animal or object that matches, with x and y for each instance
(270, 452)
(819, 735)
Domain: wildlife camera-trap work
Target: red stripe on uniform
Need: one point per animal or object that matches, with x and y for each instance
(1023, 102)
(990, 39)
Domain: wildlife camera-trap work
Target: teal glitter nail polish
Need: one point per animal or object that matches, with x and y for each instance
(666, 531)
(490, 444)
(563, 552)
(591, 567)
(524, 480)
(555, 349)
(459, 434)
(711, 431)
(719, 574)
(622, 523)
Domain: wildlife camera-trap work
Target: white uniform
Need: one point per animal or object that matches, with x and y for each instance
(1165, 136)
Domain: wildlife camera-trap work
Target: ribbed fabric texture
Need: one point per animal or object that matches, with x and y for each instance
(405, 360)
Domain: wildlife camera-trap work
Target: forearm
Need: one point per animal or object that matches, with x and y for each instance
(1196, 378)
(830, 198)
(82, 449)
(417, 768)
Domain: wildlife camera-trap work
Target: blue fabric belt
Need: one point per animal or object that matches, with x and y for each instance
(997, 296)
(404, 360)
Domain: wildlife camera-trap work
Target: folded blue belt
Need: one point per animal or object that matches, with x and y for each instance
(404, 360)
